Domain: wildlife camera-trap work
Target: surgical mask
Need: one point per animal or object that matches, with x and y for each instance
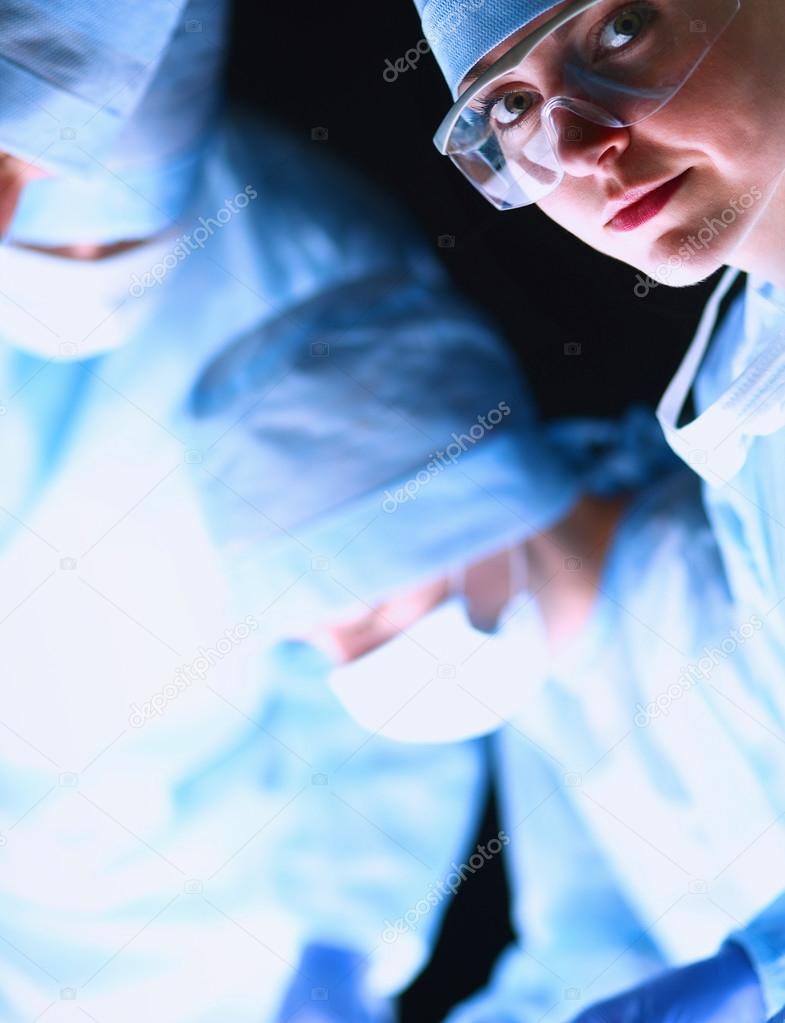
(443, 680)
(717, 442)
(61, 309)
(593, 64)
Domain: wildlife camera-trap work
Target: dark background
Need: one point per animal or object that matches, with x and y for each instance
(322, 68)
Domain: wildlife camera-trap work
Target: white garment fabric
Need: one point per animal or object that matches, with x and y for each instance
(644, 791)
(442, 679)
(60, 308)
(716, 443)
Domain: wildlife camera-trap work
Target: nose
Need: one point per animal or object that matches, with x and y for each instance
(583, 144)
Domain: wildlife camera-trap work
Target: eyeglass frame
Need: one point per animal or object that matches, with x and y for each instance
(509, 61)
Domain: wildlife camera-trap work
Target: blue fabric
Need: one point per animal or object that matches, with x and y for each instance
(461, 32)
(643, 784)
(747, 516)
(116, 105)
(387, 820)
(331, 495)
(614, 456)
(185, 802)
(660, 736)
(722, 989)
(328, 988)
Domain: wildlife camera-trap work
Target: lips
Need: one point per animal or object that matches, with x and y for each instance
(643, 204)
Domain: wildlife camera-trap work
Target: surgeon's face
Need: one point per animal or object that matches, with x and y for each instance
(14, 175)
(717, 149)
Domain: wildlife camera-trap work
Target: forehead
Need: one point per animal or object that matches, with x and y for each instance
(530, 27)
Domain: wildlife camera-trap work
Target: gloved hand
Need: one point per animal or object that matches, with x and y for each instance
(723, 989)
(329, 988)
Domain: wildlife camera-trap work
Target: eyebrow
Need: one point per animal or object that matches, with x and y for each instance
(479, 69)
(560, 33)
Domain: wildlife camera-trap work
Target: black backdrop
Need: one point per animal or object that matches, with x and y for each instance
(320, 66)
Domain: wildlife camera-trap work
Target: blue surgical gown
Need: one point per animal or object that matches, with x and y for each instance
(268, 451)
(644, 783)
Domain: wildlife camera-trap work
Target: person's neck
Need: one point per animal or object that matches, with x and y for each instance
(762, 253)
(86, 252)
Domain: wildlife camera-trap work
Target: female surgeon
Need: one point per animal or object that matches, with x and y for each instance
(238, 400)
(653, 131)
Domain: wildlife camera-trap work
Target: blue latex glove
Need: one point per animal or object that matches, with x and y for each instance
(723, 989)
(328, 988)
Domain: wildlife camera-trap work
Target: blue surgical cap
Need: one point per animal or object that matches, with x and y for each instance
(461, 32)
(116, 103)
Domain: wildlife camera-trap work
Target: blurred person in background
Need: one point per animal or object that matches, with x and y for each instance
(238, 403)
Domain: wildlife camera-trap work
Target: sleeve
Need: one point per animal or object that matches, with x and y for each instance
(71, 74)
(578, 939)
(763, 939)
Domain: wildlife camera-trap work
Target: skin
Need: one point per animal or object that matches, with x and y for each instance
(724, 127)
(564, 570)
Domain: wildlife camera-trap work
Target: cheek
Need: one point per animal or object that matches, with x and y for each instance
(732, 117)
(577, 211)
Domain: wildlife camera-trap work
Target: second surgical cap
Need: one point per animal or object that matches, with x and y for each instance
(116, 104)
(461, 32)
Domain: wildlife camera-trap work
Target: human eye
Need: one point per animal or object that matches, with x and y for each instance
(622, 30)
(510, 108)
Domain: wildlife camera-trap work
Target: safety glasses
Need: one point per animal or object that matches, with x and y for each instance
(609, 63)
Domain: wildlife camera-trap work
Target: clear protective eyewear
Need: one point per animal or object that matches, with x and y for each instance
(610, 63)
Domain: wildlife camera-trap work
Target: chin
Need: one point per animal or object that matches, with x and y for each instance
(684, 258)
